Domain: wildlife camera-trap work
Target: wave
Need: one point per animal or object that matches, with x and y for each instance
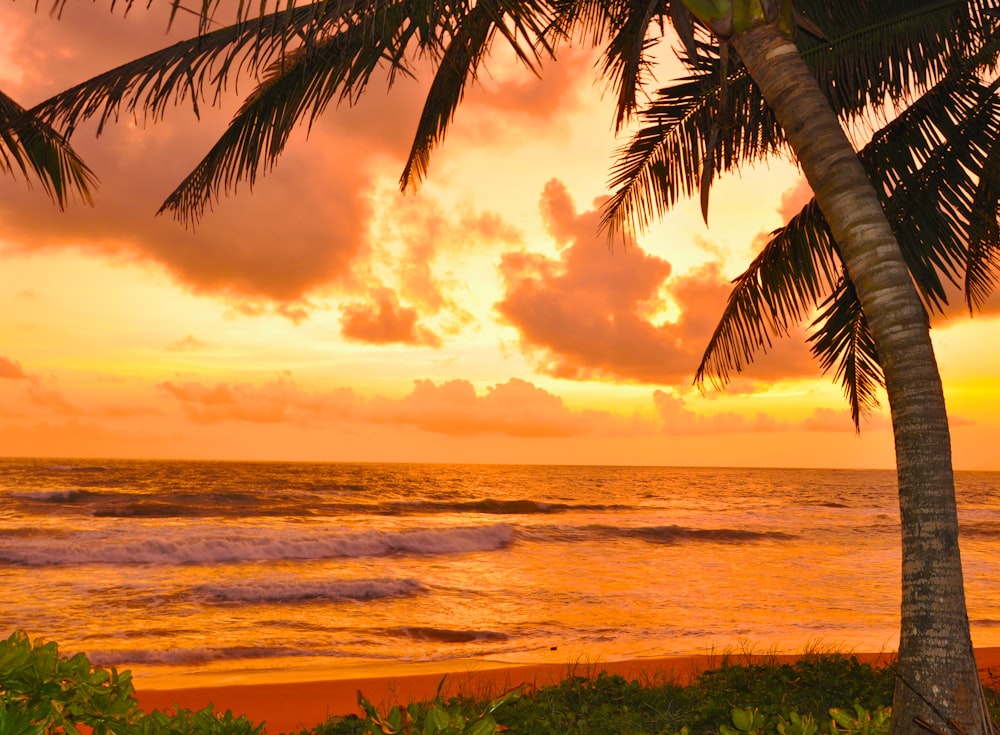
(672, 534)
(981, 529)
(445, 635)
(493, 506)
(195, 506)
(75, 468)
(676, 534)
(281, 591)
(51, 496)
(149, 509)
(214, 545)
(122, 504)
(191, 656)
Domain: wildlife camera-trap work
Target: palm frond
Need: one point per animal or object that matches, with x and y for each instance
(935, 199)
(459, 65)
(844, 342)
(626, 64)
(667, 155)
(201, 68)
(32, 147)
(299, 86)
(665, 158)
(890, 50)
(982, 266)
(797, 268)
(588, 20)
(925, 166)
(627, 29)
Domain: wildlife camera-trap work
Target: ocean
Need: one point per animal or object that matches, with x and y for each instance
(168, 568)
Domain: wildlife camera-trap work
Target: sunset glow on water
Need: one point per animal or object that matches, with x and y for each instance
(167, 568)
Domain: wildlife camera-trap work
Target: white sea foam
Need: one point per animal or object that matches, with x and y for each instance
(199, 544)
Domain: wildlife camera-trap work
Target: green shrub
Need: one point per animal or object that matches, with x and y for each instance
(43, 693)
(457, 716)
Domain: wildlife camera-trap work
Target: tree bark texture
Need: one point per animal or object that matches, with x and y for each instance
(937, 681)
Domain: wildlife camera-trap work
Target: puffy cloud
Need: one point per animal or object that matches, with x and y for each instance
(11, 369)
(514, 408)
(512, 99)
(301, 229)
(277, 401)
(594, 315)
(305, 229)
(385, 321)
(677, 418)
(420, 246)
(829, 419)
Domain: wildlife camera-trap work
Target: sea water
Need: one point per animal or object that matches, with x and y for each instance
(223, 567)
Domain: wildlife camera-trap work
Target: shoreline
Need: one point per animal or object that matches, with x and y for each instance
(289, 705)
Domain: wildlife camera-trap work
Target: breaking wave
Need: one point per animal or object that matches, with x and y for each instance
(212, 545)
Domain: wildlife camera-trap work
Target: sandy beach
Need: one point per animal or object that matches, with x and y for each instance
(287, 706)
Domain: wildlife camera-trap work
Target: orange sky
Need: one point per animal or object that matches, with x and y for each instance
(325, 316)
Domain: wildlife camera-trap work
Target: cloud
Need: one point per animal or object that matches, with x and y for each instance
(829, 419)
(419, 248)
(299, 232)
(677, 418)
(516, 408)
(277, 401)
(384, 321)
(186, 344)
(305, 230)
(11, 370)
(53, 400)
(509, 99)
(794, 199)
(594, 315)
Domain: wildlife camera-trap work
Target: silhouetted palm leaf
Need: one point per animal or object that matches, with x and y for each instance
(665, 158)
(982, 267)
(845, 343)
(32, 147)
(888, 50)
(459, 65)
(870, 46)
(305, 56)
(925, 165)
(797, 268)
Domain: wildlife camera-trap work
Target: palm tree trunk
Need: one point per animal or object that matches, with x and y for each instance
(937, 676)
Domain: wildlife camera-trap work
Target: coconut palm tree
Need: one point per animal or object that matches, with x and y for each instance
(931, 164)
(844, 242)
(30, 146)
(768, 99)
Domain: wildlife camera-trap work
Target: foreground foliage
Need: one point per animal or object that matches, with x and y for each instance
(43, 693)
(822, 695)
